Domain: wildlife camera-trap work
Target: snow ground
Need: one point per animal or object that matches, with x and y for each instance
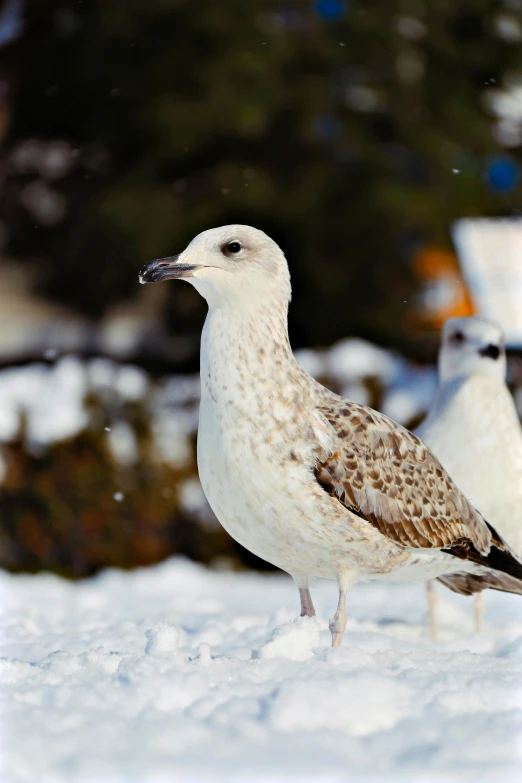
(177, 673)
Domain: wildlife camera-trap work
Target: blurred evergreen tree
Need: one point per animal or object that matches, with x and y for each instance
(335, 126)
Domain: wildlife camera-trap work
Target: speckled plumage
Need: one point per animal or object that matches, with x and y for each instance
(385, 474)
(313, 483)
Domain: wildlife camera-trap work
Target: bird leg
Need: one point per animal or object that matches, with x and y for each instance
(338, 622)
(431, 596)
(307, 607)
(478, 611)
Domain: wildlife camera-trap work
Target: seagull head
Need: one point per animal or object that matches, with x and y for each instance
(472, 346)
(231, 264)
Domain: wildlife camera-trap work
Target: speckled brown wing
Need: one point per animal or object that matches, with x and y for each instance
(388, 477)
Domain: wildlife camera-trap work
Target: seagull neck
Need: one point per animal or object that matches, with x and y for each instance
(465, 389)
(247, 345)
(450, 386)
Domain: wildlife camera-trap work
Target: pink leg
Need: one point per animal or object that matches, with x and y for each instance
(307, 607)
(338, 622)
(478, 611)
(432, 609)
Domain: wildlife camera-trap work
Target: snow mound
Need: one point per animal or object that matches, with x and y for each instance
(162, 638)
(295, 640)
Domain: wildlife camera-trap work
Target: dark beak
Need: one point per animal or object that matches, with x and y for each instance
(491, 351)
(165, 269)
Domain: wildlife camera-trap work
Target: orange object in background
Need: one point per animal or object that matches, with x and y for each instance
(443, 294)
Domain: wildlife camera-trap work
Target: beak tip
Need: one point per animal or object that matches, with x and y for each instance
(147, 272)
(165, 269)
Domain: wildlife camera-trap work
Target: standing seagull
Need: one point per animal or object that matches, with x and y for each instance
(474, 430)
(313, 483)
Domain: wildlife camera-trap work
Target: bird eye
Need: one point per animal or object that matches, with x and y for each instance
(458, 337)
(231, 248)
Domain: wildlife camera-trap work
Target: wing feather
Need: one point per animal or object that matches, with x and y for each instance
(387, 476)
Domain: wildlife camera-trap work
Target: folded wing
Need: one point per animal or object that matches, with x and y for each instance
(385, 474)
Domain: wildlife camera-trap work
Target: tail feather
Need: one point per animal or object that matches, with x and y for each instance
(502, 570)
(502, 558)
(469, 584)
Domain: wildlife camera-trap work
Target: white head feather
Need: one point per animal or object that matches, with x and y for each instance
(471, 346)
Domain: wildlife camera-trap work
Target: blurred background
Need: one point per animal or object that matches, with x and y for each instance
(356, 134)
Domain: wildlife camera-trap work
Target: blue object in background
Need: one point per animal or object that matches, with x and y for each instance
(329, 9)
(327, 127)
(11, 21)
(502, 175)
